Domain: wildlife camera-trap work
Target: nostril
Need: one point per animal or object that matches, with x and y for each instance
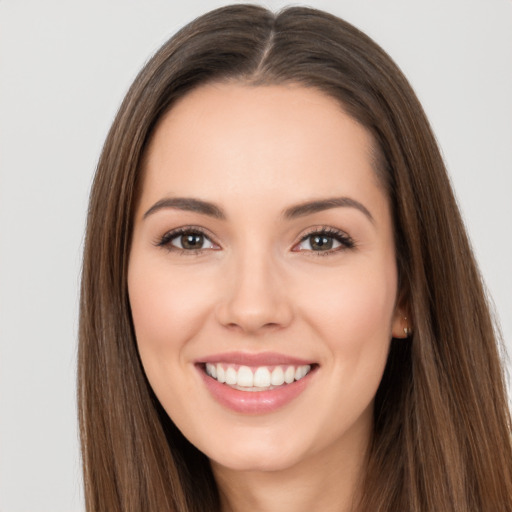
(253, 298)
(251, 318)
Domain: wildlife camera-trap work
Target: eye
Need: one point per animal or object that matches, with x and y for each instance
(191, 241)
(186, 240)
(325, 241)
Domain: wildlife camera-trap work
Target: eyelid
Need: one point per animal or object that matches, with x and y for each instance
(345, 240)
(164, 240)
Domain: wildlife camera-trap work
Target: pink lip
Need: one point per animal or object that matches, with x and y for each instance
(254, 402)
(259, 359)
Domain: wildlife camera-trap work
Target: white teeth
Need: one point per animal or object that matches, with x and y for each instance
(262, 377)
(277, 378)
(211, 370)
(289, 375)
(300, 372)
(256, 379)
(245, 377)
(231, 375)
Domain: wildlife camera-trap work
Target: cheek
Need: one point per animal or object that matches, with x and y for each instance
(354, 321)
(353, 303)
(168, 306)
(353, 313)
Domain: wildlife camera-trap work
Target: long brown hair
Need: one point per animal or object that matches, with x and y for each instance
(442, 432)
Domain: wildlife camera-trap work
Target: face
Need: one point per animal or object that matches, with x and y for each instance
(262, 275)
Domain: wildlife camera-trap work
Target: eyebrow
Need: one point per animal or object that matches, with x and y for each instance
(187, 204)
(320, 205)
(190, 204)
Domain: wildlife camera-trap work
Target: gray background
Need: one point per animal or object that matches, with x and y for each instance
(64, 68)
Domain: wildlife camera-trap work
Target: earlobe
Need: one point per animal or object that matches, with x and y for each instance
(407, 329)
(402, 327)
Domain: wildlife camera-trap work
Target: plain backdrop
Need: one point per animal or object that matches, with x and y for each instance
(64, 68)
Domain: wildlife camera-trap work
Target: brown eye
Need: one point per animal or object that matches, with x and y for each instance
(321, 242)
(325, 241)
(186, 240)
(190, 241)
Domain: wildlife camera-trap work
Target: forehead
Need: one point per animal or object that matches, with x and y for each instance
(251, 139)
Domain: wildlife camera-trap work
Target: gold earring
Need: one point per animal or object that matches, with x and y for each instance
(407, 331)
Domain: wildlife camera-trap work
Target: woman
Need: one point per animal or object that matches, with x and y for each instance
(280, 307)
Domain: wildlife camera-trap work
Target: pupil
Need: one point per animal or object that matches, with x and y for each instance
(319, 243)
(192, 241)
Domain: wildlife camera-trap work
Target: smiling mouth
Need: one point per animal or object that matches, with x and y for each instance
(260, 378)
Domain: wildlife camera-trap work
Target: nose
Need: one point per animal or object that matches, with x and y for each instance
(255, 298)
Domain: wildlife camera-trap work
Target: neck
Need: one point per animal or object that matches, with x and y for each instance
(329, 481)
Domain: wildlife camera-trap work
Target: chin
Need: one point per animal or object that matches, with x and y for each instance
(256, 460)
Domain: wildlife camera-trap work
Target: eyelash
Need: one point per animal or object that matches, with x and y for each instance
(345, 241)
(165, 241)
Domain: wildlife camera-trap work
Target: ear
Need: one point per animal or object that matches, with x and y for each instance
(401, 326)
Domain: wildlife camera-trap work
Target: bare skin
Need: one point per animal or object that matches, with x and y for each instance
(321, 483)
(226, 259)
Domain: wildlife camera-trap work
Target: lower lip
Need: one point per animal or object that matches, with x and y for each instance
(255, 402)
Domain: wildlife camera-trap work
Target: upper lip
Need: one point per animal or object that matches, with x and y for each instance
(254, 359)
